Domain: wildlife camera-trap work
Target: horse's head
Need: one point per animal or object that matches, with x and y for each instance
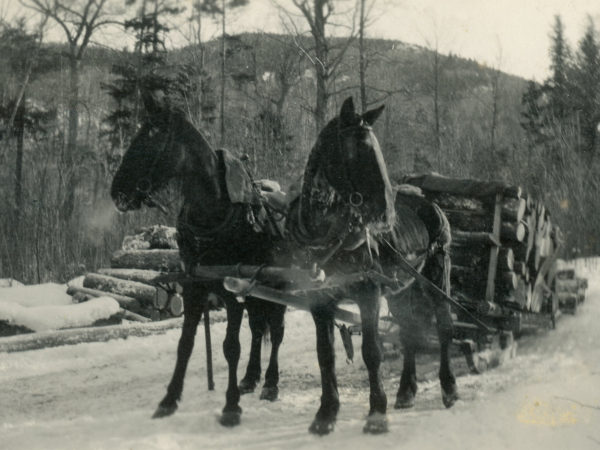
(149, 162)
(352, 162)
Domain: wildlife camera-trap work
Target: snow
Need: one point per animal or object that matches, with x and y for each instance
(54, 317)
(47, 306)
(36, 295)
(102, 395)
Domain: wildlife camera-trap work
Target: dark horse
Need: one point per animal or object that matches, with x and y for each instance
(348, 219)
(219, 224)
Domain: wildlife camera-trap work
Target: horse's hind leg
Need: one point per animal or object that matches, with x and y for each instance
(231, 348)
(405, 398)
(368, 303)
(193, 304)
(275, 314)
(410, 320)
(258, 325)
(445, 333)
(325, 418)
(440, 273)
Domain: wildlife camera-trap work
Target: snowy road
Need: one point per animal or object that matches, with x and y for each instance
(101, 396)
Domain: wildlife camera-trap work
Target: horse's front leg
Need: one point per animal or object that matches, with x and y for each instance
(369, 300)
(325, 418)
(258, 325)
(194, 300)
(274, 314)
(232, 411)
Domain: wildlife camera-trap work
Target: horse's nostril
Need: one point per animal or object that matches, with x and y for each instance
(122, 202)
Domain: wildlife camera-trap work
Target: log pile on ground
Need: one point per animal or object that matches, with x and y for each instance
(131, 279)
(504, 242)
(569, 288)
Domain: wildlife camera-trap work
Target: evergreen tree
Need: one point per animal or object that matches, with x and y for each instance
(560, 56)
(586, 91)
(141, 71)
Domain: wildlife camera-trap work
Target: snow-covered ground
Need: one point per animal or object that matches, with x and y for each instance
(102, 395)
(44, 307)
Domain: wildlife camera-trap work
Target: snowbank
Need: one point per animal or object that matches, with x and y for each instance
(54, 317)
(36, 295)
(44, 307)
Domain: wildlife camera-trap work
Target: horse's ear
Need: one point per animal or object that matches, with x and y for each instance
(153, 101)
(371, 116)
(347, 114)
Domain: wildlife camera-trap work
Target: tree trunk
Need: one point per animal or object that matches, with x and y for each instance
(513, 232)
(73, 106)
(19, 125)
(147, 295)
(321, 66)
(128, 303)
(161, 260)
(223, 55)
(514, 209)
(362, 63)
(431, 183)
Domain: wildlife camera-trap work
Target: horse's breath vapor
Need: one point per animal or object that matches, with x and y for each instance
(99, 220)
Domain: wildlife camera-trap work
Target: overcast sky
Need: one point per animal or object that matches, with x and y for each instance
(510, 34)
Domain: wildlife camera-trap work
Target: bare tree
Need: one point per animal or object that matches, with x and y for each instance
(79, 21)
(363, 61)
(325, 56)
(495, 81)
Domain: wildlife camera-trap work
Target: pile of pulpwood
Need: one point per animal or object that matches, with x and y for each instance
(569, 288)
(504, 242)
(132, 278)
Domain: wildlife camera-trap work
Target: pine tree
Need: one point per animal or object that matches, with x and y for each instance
(141, 71)
(560, 56)
(587, 88)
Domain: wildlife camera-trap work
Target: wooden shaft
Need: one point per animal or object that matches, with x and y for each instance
(238, 286)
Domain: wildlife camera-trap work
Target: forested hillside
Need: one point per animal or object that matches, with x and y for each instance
(443, 113)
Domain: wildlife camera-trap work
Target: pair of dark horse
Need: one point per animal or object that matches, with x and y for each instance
(347, 216)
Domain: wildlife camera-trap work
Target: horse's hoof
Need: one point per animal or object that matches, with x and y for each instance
(322, 427)
(377, 423)
(449, 396)
(231, 418)
(269, 393)
(164, 411)
(405, 399)
(246, 386)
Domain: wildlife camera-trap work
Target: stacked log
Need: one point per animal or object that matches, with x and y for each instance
(133, 277)
(502, 239)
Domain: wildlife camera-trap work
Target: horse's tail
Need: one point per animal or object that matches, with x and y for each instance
(441, 245)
